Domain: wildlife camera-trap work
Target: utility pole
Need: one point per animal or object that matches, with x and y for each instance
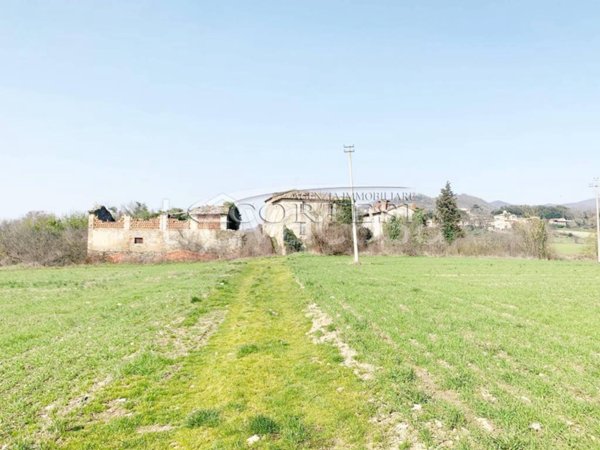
(596, 186)
(349, 149)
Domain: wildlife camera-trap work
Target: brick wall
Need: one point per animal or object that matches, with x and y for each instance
(159, 239)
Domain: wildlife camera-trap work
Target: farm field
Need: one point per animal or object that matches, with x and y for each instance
(572, 243)
(302, 352)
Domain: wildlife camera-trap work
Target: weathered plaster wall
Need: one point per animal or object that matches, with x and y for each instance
(300, 216)
(161, 239)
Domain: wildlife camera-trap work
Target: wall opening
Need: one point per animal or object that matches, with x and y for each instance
(138, 240)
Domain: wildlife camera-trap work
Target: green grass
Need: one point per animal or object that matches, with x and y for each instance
(204, 417)
(473, 351)
(568, 243)
(510, 341)
(64, 331)
(263, 425)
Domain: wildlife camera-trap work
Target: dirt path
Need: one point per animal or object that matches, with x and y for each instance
(262, 378)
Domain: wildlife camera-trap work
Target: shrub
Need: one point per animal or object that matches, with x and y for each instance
(591, 246)
(344, 211)
(45, 239)
(418, 240)
(255, 243)
(336, 239)
(534, 238)
(291, 241)
(394, 228)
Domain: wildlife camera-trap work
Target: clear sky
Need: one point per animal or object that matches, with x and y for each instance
(111, 101)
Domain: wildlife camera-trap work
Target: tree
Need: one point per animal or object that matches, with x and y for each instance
(534, 234)
(291, 241)
(138, 210)
(394, 228)
(343, 211)
(234, 217)
(448, 214)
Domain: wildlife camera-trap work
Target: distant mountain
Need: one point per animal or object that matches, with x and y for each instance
(464, 201)
(584, 205)
(425, 202)
(469, 201)
(497, 204)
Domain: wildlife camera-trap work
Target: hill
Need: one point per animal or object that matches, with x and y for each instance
(584, 205)
(464, 201)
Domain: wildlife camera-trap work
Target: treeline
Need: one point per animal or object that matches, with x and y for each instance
(541, 211)
(44, 239)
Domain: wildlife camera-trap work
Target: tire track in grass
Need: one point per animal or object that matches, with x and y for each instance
(259, 381)
(397, 427)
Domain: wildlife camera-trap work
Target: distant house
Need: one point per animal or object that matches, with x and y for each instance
(474, 218)
(505, 221)
(559, 222)
(300, 211)
(382, 212)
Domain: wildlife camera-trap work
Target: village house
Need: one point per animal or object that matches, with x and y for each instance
(560, 222)
(382, 212)
(302, 212)
(505, 221)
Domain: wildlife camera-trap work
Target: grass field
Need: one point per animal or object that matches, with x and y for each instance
(572, 244)
(302, 352)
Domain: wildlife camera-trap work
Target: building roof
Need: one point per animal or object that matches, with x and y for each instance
(210, 210)
(385, 206)
(296, 194)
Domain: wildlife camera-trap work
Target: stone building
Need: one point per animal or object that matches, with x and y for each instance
(382, 212)
(303, 212)
(208, 233)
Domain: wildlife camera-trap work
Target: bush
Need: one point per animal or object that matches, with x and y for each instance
(336, 239)
(255, 243)
(591, 246)
(534, 238)
(394, 228)
(291, 241)
(528, 241)
(343, 214)
(44, 239)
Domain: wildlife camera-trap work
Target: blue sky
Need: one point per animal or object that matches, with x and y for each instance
(111, 101)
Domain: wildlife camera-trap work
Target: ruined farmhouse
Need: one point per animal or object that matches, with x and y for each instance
(209, 230)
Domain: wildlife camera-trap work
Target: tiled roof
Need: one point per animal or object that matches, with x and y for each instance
(209, 210)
